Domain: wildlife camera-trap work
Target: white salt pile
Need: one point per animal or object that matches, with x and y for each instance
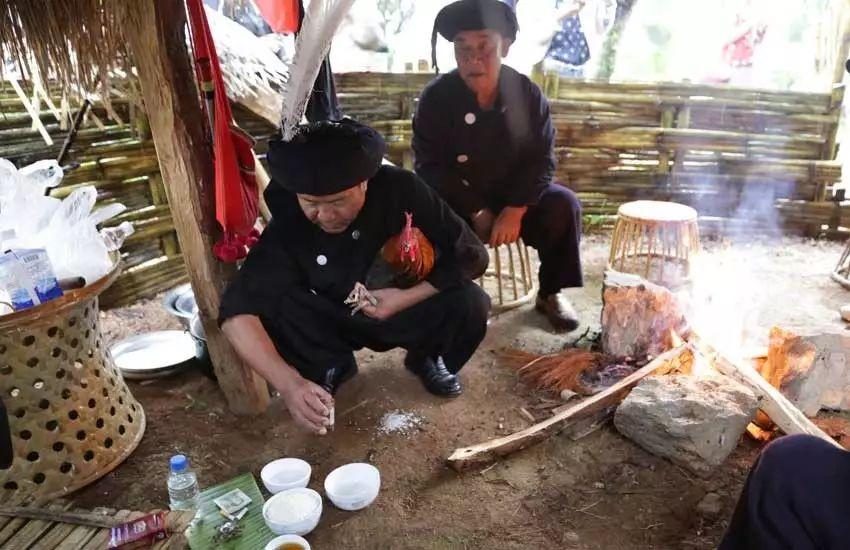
(399, 422)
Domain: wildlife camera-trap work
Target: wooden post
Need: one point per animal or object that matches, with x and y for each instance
(843, 44)
(836, 99)
(155, 32)
(668, 115)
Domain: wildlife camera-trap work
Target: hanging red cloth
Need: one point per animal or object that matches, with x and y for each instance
(283, 16)
(236, 192)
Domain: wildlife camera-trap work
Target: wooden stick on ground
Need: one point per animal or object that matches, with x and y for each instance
(90, 519)
(783, 413)
(485, 453)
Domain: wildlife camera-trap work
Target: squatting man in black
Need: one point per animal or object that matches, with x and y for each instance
(335, 209)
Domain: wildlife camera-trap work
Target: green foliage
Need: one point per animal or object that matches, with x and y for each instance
(608, 57)
(658, 35)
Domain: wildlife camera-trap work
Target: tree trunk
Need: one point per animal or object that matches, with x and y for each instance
(608, 57)
(155, 30)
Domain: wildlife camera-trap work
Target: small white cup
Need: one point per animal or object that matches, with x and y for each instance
(285, 473)
(276, 542)
(353, 486)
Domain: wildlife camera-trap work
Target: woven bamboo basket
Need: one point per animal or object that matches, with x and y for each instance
(655, 240)
(71, 415)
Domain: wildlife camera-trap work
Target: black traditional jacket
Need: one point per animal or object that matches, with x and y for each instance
(295, 255)
(476, 158)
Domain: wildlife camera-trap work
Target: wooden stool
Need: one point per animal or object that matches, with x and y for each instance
(508, 280)
(841, 273)
(655, 240)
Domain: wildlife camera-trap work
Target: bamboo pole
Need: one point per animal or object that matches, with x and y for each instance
(843, 44)
(33, 112)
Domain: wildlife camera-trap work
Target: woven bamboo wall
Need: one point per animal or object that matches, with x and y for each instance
(116, 155)
(726, 151)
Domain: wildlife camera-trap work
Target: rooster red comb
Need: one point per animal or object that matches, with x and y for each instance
(408, 243)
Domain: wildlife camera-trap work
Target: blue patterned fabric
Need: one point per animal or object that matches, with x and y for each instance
(569, 44)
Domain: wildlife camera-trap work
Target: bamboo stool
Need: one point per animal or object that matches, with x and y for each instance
(508, 279)
(841, 273)
(655, 240)
(71, 415)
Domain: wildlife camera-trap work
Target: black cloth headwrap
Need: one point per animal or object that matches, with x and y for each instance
(473, 15)
(326, 157)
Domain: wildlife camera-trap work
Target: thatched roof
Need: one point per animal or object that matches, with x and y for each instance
(74, 41)
(80, 44)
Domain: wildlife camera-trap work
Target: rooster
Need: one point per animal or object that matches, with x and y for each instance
(405, 260)
(409, 254)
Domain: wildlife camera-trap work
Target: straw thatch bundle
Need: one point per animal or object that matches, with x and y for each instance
(80, 44)
(74, 41)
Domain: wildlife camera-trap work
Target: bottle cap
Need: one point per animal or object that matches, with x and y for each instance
(179, 463)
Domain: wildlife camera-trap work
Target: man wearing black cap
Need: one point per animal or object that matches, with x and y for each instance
(483, 137)
(334, 205)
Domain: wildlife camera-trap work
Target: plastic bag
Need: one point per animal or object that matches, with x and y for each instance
(67, 229)
(114, 237)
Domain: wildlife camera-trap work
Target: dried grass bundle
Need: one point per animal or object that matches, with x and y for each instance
(73, 41)
(556, 371)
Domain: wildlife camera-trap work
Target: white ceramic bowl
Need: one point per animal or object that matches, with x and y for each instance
(285, 473)
(276, 542)
(353, 486)
(280, 520)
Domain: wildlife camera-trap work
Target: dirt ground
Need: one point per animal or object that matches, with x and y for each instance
(599, 492)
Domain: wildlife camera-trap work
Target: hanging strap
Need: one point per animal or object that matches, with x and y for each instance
(236, 193)
(207, 61)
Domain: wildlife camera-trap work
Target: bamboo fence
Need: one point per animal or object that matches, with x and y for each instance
(751, 161)
(748, 160)
(115, 154)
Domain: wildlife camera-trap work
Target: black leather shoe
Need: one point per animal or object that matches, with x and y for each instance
(434, 375)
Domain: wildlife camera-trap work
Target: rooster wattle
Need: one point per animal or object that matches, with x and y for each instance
(409, 254)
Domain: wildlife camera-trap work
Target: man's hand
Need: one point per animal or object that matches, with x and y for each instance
(394, 300)
(390, 302)
(482, 223)
(309, 404)
(508, 225)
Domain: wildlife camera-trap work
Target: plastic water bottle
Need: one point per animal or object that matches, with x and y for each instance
(182, 485)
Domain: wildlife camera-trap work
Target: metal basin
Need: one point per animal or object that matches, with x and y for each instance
(181, 303)
(154, 354)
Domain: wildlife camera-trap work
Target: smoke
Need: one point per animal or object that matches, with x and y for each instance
(726, 294)
(757, 214)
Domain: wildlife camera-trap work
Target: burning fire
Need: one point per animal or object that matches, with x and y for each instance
(700, 366)
(722, 303)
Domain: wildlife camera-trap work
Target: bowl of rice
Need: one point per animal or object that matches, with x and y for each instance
(293, 512)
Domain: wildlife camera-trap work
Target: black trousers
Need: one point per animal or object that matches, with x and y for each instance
(797, 497)
(553, 228)
(314, 334)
